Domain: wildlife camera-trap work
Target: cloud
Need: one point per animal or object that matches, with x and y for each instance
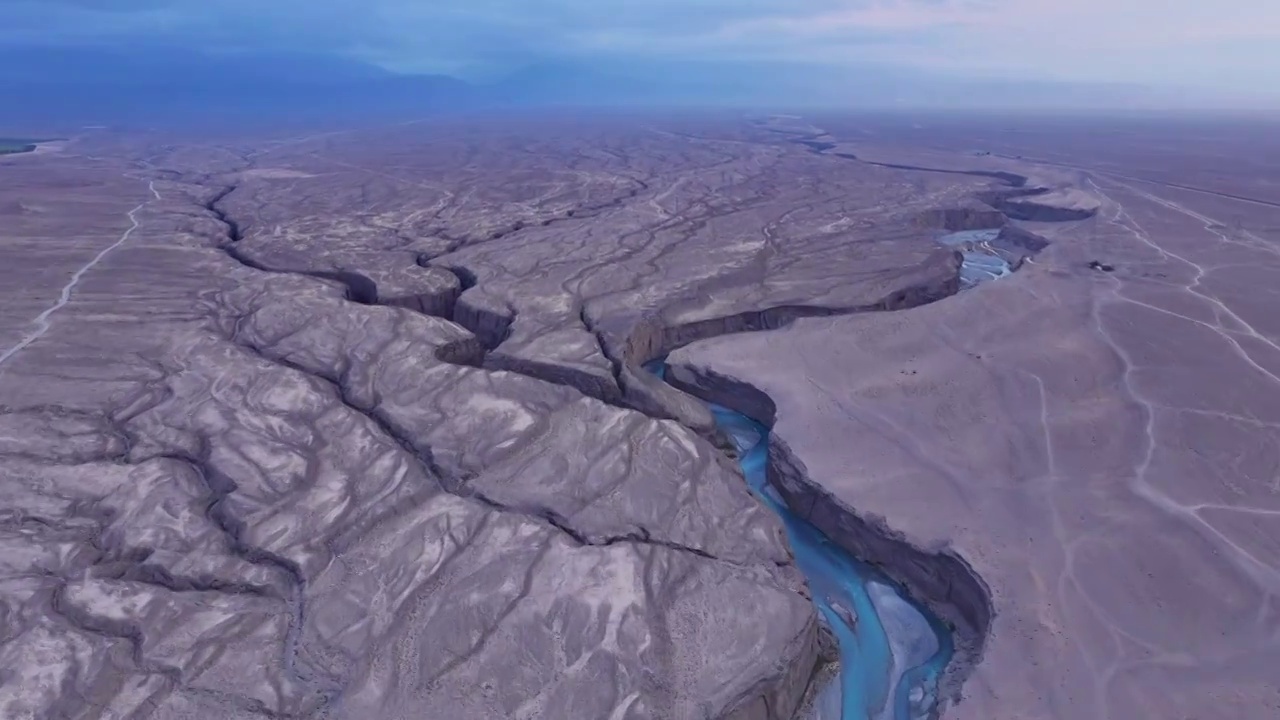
(1222, 42)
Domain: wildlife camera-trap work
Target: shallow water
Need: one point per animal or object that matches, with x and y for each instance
(965, 237)
(891, 650)
(982, 262)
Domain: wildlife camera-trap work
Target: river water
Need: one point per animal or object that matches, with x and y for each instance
(981, 261)
(892, 651)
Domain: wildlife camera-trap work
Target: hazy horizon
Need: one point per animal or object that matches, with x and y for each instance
(958, 54)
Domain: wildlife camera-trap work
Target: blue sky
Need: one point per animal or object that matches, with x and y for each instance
(1230, 45)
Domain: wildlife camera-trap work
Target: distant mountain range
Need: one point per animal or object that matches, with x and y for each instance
(63, 87)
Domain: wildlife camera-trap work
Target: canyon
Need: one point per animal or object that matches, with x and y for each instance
(366, 422)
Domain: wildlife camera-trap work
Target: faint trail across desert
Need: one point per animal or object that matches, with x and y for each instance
(1254, 567)
(42, 321)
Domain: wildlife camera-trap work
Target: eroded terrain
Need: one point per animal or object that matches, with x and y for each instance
(356, 424)
(1094, 437)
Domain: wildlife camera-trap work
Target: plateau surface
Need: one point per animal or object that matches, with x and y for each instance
(357, 423)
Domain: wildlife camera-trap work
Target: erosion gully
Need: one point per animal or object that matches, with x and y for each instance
(892, 650)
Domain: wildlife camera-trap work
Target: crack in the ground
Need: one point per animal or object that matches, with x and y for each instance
(645, 340)
(234, 232)
(111, 629)
(220, 489)
(340, 390)
(488, 327)
(615, 364)
(460, 485)
(134, 567)
(454, 243)
(578, 213)
(357, 288)
(547, 516)
(491, 329)
(1005, 201)
(93, 624)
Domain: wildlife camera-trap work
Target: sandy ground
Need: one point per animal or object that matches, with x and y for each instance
(1099, 447)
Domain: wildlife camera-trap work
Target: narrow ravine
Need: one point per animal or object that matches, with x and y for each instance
(897, 659)
(892, 651)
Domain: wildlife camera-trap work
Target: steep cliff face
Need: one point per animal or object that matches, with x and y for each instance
(488, 317)
(1038, 205)
(780, 696)
(941, 581)
(971, 216)
(428, 290)
(654, 336)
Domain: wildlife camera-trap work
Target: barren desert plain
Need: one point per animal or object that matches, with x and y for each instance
(624, 417)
